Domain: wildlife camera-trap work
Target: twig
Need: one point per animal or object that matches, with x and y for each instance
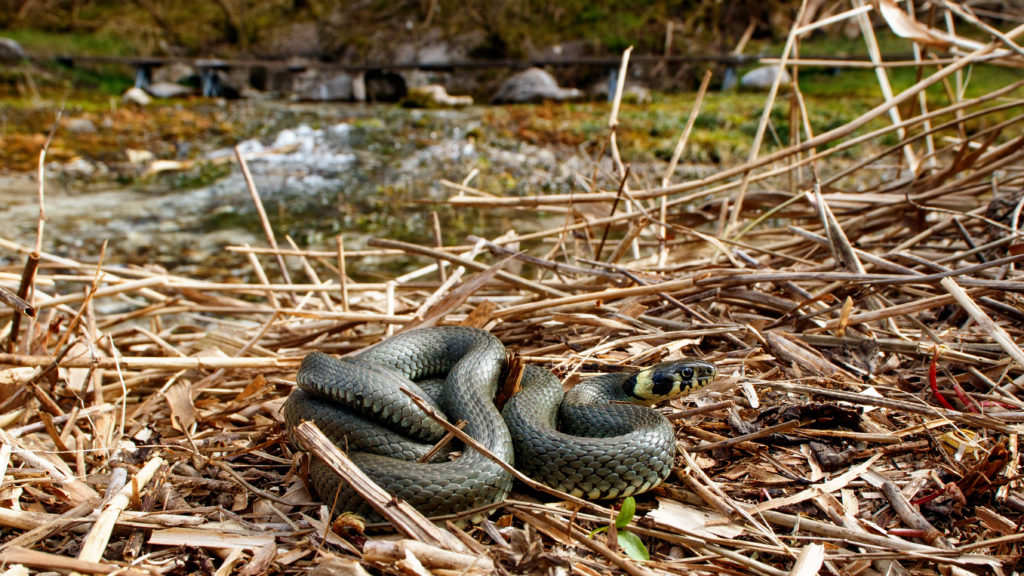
(342, 275)
(437, 254)
(16, 302)
(996, 331)
(267, 229)
(403, 517)
(96, 540)
(904, 510)
(18, 555)
(76, 490)
(755, 147)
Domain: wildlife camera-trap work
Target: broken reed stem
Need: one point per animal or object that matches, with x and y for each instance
(16, 303)
(435, 221)
(978, 315)
(41, 177)
(602, 296)
(32, 261)
(512, 279)
(312, 253)
(611, 213)
(156, 362)
(311, 273)
(441, 444)
(868, 34)
(48, 561)
(342, 274)
(403, 517)
(77, 491)
(755, 147)
(264, 221)
(620, 84)
(389, 306)
(257, 269)
(95, 542)
(677, 152)
(24, 289)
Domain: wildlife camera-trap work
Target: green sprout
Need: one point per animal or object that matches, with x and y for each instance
(628, 541)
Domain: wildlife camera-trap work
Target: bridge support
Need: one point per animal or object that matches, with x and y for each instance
(209, 79)
(143, 76)
(359, 87)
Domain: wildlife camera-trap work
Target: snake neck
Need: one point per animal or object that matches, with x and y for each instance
(603, 389)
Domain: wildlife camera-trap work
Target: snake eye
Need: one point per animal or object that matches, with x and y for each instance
(687, 372)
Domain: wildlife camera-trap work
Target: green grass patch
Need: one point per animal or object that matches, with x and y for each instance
(104, 79)
(40, 43)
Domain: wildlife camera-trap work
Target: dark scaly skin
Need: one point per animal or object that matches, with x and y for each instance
(604, 451)
(473, 361)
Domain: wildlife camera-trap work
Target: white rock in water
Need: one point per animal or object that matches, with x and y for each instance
(139, 157)
(136, 96)
(437, 95)
(763, 77)
(533, 85)
(81, 168)
(11, 52)
(168, 90)
(80, 125)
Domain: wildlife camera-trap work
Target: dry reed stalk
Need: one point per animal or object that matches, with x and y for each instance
(95, 542)
(512, 279)
(268, 230)
(402, 516)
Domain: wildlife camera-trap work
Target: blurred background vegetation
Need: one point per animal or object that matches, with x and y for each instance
(365, 29)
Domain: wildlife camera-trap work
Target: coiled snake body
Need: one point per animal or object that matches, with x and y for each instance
(603, 451)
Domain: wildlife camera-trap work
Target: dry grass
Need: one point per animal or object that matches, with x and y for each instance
(869, 340)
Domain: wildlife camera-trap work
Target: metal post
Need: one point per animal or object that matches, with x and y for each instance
(143, 76)
(210, 83)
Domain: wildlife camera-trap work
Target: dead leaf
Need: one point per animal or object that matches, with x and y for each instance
(694, 520)
(179, 399)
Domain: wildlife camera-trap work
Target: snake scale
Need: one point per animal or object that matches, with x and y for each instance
(600, 449)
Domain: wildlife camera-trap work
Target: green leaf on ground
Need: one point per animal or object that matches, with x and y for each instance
(633, 546)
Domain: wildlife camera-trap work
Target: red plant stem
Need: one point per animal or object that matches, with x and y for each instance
(971, 405)
(928, 498)
(907, 532)
(933, 382)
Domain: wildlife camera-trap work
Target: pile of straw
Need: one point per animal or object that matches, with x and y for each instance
(868, 335)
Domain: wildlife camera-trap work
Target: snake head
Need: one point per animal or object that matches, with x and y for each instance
(670, 380)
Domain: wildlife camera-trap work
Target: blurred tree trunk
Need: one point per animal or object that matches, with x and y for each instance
(236, 23)
(26, 7)
(76, 8)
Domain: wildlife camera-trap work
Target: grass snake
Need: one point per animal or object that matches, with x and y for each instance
(600, 449)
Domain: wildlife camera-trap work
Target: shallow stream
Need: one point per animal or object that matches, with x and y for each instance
(356, 170)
